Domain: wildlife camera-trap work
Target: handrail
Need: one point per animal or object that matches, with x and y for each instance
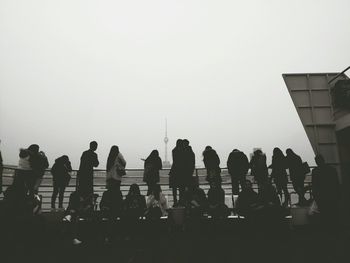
(135, 169)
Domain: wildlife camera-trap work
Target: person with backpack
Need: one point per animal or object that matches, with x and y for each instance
(157, 204)
(115, 166)
(152, 165)
(61, 176)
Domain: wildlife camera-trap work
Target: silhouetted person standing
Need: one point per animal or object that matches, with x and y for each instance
(189, 163)
(297, 176)
(279, 174)
(326, 189)
(24, 173)
(39, 169)
(152, 165)
(61, 176)
(176, 173)
(238, 166)
(259, 168)
(212, 164)
(1, 170)
(115, 166)
(85, 173)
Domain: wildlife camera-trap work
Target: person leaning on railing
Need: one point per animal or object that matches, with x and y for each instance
(61, 176)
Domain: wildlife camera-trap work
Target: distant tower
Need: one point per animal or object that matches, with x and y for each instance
(166, 163)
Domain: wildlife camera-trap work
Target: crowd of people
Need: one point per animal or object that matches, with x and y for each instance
(272, 188)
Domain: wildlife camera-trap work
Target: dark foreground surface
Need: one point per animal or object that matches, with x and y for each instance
(46, 239)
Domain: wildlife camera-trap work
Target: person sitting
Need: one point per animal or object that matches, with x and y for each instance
(196, 200)
(79, 206)
(134, 203)
(247, 200)
(112, 200)
(269, 205)
(15, 198)
(156, 204)
(216, 201)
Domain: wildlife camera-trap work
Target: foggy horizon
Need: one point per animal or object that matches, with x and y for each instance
(72, 72)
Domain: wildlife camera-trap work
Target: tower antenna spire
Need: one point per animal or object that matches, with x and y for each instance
(166, 163)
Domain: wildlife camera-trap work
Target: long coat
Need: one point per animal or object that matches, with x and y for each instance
(151, 172)
(177, 171)
(85, 174)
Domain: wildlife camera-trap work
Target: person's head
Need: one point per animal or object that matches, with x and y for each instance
(134, 190)
(23, 153)
(235, 150)
(93, 146)
(34, 148)
(319, 160)
(65, 158)
(289, 152)
(185, 142)
(277, 152)
(258, 152)
(113, 153)
(179, 143)
(154, 154)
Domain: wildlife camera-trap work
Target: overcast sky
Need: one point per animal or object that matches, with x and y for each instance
(112, 71)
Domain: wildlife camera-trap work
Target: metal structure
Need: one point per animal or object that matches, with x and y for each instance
(166, 163)
(313, 100)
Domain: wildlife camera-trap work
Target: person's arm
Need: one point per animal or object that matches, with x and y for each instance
(160, 165)
(95, 162)
(149, 202)
(163, 202)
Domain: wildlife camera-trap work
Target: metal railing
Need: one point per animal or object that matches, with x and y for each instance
(132, 176)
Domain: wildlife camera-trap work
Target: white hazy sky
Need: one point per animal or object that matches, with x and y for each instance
(73, 71)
